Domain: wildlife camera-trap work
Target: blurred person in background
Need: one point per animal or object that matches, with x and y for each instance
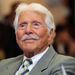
(65, 27)
(62, 38)
(71, 48)
(64, 41)
(35, 31)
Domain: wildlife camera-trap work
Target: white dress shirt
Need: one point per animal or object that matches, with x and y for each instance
(35, 59)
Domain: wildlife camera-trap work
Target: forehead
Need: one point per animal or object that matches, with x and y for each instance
(31, 15)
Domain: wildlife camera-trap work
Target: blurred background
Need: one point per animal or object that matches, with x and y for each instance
(63, 12)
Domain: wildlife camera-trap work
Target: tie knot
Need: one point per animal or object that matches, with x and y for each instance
(24, 69)
(27, 62)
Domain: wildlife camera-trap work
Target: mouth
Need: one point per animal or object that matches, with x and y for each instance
(29, 39)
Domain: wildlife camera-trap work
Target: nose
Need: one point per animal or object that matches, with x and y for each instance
(29, 29)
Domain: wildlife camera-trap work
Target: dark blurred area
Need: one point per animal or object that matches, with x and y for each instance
(64, 42)
(65, 33)
(7, 36)
(65, 38)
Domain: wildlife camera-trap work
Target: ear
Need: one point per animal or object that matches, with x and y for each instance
(51, 36)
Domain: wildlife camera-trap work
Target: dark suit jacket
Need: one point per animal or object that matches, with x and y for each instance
(49, 64)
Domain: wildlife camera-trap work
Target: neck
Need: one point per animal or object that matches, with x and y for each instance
(29, 54)
(35, 52)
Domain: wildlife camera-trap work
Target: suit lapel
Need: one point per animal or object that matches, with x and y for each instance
(43, 62)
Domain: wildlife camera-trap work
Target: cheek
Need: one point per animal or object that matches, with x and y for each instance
(41, 33)
(19, 35)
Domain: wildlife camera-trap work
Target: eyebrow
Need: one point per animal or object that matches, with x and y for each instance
(32, 22)
(36, 22)
(23, 23)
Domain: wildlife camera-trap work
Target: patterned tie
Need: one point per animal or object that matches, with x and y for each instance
(24, 70)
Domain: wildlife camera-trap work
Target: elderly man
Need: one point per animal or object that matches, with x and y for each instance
(35, 31)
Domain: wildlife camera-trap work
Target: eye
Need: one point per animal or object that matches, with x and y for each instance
(36, 24)
(23, 24)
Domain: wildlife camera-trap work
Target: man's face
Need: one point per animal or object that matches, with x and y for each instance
(32, 33)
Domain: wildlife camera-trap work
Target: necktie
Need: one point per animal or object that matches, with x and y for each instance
(24, 70)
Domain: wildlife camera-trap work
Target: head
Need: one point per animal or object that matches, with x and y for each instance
(34, 27)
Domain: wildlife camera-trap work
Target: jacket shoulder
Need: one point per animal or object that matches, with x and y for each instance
(66, 61)
(8, 61)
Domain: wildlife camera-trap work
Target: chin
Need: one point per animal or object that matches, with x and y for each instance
(29, 49)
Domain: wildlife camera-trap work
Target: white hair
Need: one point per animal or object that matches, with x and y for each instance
(35, 7)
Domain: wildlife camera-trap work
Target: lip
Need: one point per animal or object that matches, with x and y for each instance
(29, 39)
